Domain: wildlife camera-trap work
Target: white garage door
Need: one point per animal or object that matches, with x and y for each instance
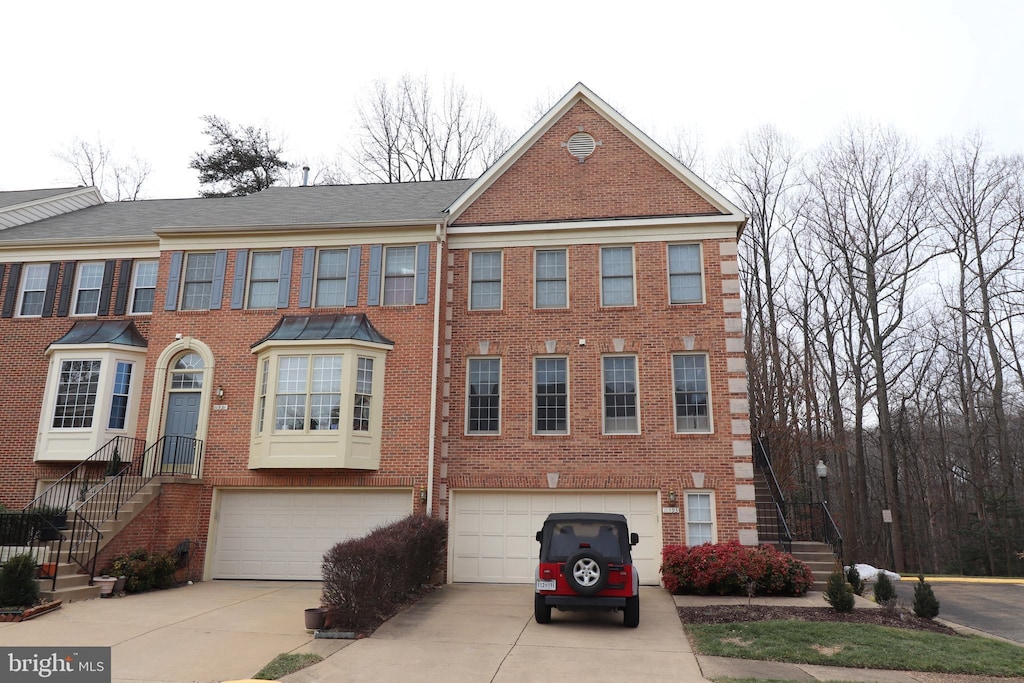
(493, 534)
(283, 534)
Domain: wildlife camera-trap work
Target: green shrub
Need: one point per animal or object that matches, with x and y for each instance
(926, 605)
(853, 578)
(366, 580)
(839, 593)
(144, 570)
(18, 587)
(884, 590)
(729, 568)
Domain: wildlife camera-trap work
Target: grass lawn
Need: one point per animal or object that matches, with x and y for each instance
(858, 645)
(286, 664)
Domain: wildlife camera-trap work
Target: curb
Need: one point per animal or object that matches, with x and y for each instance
(968, 579)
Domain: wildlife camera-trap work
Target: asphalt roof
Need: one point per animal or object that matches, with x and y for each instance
(15, 197)
(385, 203)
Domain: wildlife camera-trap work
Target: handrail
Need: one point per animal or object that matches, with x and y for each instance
(73, 487)
(763, 461)
(831, 533)
(34, 534)
(770, 518)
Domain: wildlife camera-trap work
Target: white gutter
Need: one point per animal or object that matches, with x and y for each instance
(439, 242)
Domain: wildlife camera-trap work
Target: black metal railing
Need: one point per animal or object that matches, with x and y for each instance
(772, 516)
(772, 526)
(814, 522)
(96, 489)
(831, 533)
(36, 535)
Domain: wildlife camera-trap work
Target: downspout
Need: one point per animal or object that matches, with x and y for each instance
(439, 241)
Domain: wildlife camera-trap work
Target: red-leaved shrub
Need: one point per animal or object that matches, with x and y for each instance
(367, 579)
(726, 568)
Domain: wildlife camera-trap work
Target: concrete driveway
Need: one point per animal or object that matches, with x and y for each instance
(211, 631)
(476, 632)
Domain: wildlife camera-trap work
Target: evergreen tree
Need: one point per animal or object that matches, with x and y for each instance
(242, 161)
(926, 605)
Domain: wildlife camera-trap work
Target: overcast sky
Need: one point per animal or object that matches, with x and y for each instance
(140, 74)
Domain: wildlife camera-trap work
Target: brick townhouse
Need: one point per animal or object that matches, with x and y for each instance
(561, 333)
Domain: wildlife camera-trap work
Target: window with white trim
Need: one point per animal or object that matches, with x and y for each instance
(264, 276)
(363, 396)
(483, 397)
(120, 394)
(399, 276)
(33, 289)
(617, 276)
(551, 282)
(318, 404)
(331, 277)
(197, 290)
(700, 518)
(88, 283)
(76, 394)
(684, 274)
(484, 280)
(143, 286)
(621, 414)
(691, 397)
(308, 395)
(551, 395)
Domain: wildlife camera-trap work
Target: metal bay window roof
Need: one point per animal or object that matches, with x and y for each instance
(325, 327)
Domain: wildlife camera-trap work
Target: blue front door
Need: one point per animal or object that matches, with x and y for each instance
(182, 420)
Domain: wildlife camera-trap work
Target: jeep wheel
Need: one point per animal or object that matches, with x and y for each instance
(586, 572)
(541, 609)
(631, 615)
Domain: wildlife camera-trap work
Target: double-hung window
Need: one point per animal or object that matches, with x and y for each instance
(331, 277)
(485, 280)
(684, 274)
(308, 396)
(484, 396)
(87, 288)
(700, 519)
(33, 289)
(119, 397)
(692, 405)
(551, 289)
(399, 276)
(617, 276)
(76, 394)
(363, 396)
(143, 286)
(620, 395)
(264, 275)
(198, 287)
(551, 396)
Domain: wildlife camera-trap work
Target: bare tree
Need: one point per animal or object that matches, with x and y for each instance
(93, 164)
(408, 135)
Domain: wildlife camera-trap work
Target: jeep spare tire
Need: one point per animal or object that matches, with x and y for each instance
(586, 572)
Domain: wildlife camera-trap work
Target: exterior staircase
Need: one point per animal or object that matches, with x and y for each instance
(72, 582)
(818, 556)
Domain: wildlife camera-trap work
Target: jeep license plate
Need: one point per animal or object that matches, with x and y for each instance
(546, 585)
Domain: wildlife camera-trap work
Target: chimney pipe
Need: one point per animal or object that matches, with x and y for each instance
(305, 176)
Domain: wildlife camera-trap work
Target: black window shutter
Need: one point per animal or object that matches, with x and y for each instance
(108, 285)
(66, 285)
(51, 289)
(12, 290)
(124, 280)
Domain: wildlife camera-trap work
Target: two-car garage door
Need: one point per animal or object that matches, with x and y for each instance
(284, 533)
(493, 533)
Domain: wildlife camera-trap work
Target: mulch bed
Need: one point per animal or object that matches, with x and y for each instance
(726, 614)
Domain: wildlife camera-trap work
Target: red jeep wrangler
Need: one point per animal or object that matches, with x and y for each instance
(585, 563)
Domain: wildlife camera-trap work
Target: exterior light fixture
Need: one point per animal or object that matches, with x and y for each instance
(672, 497)
(219, 392)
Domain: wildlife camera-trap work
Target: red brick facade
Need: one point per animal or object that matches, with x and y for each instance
(620, 181)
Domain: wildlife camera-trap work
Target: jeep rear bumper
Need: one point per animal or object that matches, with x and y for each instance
(582, 602)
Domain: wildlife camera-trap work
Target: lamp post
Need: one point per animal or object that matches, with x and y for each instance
(822, 469)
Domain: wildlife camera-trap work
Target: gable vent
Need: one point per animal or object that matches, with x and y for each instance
(581, 145)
